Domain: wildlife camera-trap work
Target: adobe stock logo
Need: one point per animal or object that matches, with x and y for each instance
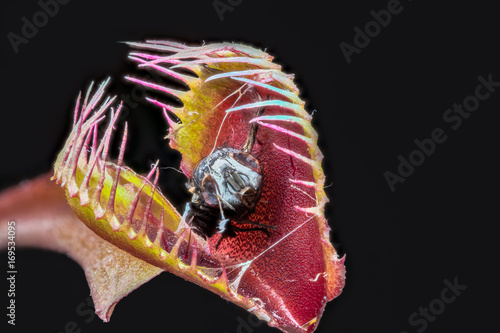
(454, 117)
(30, 28)
(248, 325)
(425, 315)
(362, 38)
(221, 7)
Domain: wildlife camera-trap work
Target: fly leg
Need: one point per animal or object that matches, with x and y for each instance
(259, 227)
(231, 230)
(247, 147)
(252, 134)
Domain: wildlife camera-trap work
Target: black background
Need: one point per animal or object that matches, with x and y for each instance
(400, 246)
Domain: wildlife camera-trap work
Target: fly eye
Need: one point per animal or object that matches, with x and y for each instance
(209, 191)
(247, 160)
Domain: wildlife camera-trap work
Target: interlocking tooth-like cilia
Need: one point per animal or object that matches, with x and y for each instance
(128, 209)
(228, 84)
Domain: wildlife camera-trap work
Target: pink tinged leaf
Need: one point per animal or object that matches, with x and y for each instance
(286, 279)
(127, 210)
(298, 271)
(45, 220)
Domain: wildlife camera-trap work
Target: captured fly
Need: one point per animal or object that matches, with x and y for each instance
(226, 186)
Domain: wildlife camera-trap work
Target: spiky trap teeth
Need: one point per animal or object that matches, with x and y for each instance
(113, 200)
(128, 209)
(285, 275)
